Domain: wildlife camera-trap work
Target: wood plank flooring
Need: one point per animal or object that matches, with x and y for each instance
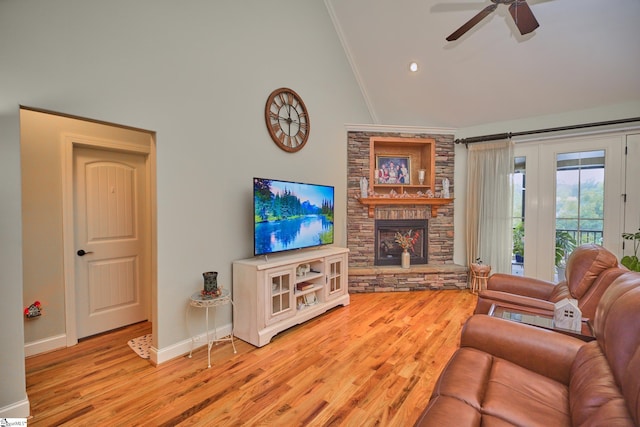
(372, 363)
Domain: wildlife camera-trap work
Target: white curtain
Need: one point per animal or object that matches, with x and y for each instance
(490, 205)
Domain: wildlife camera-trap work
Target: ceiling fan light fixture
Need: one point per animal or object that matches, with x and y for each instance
(519, 10)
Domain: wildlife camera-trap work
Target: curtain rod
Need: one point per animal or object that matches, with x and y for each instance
(508, 135)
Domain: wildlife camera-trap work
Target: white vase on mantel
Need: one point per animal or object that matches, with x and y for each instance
(405, 259)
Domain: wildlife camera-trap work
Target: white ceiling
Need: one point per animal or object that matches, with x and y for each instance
(585, 54)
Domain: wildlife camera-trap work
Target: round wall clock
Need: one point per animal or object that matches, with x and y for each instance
(287, 119)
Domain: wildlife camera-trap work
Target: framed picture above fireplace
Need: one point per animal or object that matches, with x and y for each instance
(393, 170)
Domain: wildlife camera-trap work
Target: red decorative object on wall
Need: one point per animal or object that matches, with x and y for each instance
(33, 310)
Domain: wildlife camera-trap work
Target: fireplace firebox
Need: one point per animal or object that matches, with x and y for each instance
(388, 252)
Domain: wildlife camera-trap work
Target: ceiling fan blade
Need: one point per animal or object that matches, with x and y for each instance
(472, 22)
(523, 17)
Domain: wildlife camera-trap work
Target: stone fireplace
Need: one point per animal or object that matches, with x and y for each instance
(368, 271)
(388, 251)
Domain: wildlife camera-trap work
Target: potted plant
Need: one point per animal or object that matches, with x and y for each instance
(518, 242)
(631, 261)
(565, 244)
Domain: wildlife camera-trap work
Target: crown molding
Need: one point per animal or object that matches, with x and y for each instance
(352, 62)
(351, 127)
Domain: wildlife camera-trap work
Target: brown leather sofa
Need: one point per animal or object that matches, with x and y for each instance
(589, 272)
(507, 373)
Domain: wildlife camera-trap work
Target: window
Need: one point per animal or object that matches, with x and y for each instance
(579, 202)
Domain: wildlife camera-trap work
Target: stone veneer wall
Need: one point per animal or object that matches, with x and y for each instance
(440, 273)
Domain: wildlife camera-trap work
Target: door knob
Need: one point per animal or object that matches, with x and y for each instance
(82, 252)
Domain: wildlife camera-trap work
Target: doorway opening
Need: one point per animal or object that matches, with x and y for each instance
(48, 143)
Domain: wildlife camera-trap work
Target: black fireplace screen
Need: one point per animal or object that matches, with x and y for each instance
(388, 250)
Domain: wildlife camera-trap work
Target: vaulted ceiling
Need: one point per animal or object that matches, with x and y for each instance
(585, 54)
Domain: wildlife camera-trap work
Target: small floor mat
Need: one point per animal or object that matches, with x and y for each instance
(141, 345)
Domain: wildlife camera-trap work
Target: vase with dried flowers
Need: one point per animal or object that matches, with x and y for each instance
(406, 242)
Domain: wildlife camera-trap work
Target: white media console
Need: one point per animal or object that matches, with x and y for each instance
(275, 293)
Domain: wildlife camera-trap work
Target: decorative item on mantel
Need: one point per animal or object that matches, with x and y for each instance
(445, 188)
(364, 187)
(211, 289)
(406, 242)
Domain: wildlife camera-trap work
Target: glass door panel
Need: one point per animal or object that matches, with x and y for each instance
(519, 197)
(281, 295)
(579, 203)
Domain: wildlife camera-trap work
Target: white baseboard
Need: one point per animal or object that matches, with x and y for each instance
(45, 345)
(158, 356)
(19, 409)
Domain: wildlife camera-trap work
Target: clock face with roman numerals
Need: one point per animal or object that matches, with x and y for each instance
(287, 119)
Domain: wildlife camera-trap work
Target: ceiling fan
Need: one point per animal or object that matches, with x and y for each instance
(520, 12)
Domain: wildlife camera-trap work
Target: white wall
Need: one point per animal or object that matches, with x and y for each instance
(569, 118)
(13, 398)
(198, 73)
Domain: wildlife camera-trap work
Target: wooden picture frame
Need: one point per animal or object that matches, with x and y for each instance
(393, 170)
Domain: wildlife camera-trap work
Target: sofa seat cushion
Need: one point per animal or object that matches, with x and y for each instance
(534, 400)
(477, 382)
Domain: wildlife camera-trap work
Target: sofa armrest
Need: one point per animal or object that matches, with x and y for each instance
(542, 351)
(532, 305)
(519, 285)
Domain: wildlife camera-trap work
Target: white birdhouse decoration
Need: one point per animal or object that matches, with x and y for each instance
(567, 315)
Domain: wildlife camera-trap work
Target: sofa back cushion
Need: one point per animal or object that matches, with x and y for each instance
(584, 265)
(589, 301)
(617, 330)
(594, 397)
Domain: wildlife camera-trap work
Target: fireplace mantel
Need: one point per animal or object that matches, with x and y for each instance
(435, 203)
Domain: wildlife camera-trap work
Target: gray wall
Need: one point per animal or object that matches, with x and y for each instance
(197, 73)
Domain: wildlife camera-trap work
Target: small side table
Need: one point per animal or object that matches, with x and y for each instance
(199, 301)
(479, 276)
(542, 321)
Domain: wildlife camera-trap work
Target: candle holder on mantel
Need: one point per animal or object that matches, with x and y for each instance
(421, 173)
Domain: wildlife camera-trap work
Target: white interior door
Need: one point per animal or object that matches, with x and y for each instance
(111, 240)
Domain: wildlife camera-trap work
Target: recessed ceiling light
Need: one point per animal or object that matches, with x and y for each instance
(413, 67)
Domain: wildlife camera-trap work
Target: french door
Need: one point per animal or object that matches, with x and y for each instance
(632, 195)
(566, 193)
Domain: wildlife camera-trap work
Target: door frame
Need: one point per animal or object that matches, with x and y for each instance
(540, 204)
(69, 142)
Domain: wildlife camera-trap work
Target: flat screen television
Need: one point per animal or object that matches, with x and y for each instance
(291, 215)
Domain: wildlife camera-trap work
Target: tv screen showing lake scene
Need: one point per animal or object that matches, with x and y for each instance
(291, 215)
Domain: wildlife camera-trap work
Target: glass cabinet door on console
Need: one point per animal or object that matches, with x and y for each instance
(280, 303)
(335, 278)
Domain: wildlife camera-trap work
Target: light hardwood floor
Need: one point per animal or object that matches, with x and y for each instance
(373, 363)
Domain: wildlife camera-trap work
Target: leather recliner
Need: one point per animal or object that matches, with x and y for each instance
(507, 373)
(589, 272)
